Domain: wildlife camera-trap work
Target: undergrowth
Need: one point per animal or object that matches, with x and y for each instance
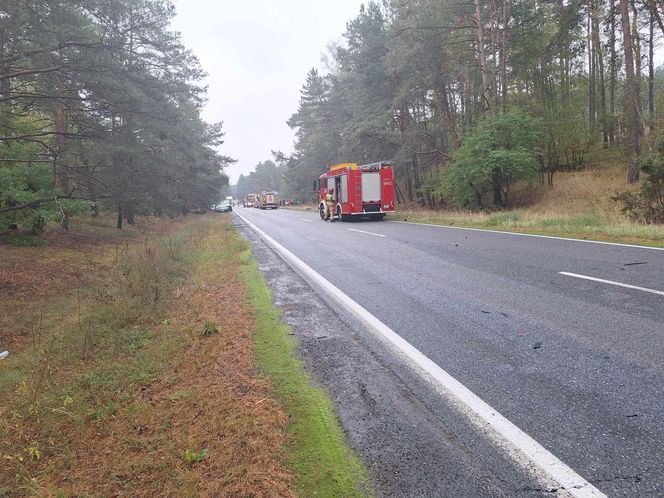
(122, 394)
(77, 372)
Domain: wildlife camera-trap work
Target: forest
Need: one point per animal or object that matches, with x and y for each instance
(469, 98)
(100, 109)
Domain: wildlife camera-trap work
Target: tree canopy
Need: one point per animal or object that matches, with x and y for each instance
(414, 80)
(100, 106)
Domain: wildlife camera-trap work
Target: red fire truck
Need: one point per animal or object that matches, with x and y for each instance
(268, 200)
(364, 191)
(249, 200)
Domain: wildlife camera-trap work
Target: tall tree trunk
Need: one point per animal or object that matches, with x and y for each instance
(599, 57)
(651, 73)
(446, 115)
(613, 70)
(450, 113)
(636, 44)
(119, 222)
(592, 86)
(409, 185)
(482, 56)
(632, 110)
(654, 12)
(129, 214)
(418, 181)
(497, 190)
(494, 53)
(60, 125)
(5, 50)
(503, 56)
(468, 94)
(562, 56)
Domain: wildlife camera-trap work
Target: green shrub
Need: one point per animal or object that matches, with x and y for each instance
(646, 205)
(498, 152)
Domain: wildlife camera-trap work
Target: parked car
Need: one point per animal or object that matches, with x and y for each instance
(224, 207)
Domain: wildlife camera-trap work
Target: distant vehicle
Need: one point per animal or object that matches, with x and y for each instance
(365, 191)
(223, 207)
(249, 200)
(268, 200)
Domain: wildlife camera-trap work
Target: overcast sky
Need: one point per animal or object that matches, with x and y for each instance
(257, 54)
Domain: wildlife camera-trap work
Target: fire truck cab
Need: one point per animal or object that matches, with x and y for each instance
(360, 191)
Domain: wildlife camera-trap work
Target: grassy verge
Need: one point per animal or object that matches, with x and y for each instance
(143, 381)
(589, 226)
(139, 377)
(320, 458)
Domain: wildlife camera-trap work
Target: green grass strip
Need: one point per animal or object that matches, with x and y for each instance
(633, 234)
(323, 463)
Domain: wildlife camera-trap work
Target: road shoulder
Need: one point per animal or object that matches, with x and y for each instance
(412, 442)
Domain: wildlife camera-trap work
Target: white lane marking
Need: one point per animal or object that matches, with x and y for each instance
(308, 221)
(520, 442)
(530, 235)
(370, 233)
(611, 282)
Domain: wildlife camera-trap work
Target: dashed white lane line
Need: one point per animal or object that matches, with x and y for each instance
(611, 282)
(370, 233)
(308, 221)
(524, 448)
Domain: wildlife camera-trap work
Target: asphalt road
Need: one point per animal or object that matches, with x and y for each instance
(577, 364)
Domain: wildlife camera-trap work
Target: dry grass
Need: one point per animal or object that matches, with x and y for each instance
(36, 281)
(579, 205)
(121, 385)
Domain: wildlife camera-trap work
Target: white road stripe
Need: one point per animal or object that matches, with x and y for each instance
(530, 235)
(370, 233)
(523, 448)
(611, 282)
(308, 221)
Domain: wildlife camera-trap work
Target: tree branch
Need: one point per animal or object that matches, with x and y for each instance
(46, 200)
(29, 71)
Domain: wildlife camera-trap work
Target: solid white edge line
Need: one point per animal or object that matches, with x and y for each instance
(534, 452)
(529, 235)
(363, 231)
(611, 282)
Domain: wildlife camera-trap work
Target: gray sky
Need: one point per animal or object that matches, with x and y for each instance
(257, 54)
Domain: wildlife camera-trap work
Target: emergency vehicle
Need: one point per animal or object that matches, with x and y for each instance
(249, 200)
(360, 191)
(268, 200)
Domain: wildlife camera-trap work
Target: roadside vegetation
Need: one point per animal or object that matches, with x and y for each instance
(580, 205)
(132, 369)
